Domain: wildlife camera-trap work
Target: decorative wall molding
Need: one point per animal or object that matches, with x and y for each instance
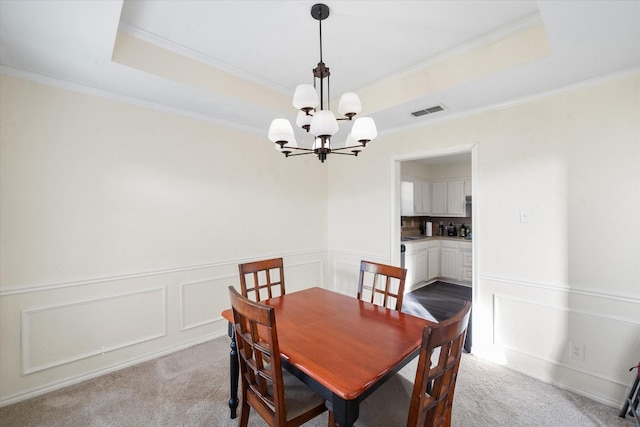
(496, 297)
(563, 385)
(52, 319)
(515, 102)
(38, 391)
(111, 96)
(362, 255)
(319, 263)
(571, 368)
(211, 316)
(571, 290)
(565, 309)
(208, 293)
(89, 281)
(187, 52)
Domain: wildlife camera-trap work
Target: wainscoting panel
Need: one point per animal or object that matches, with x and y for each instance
(202, 301)
(346, 276)
(55, 335)
(533, 327)
(60, 334)
(513, 330)
(303, 275)
(345, 270)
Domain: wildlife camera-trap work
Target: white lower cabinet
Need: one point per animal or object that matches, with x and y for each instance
(466, 262)
(415, 259)
(432, 259)
(449, 264)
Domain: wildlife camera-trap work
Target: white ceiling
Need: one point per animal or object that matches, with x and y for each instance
(274, 44)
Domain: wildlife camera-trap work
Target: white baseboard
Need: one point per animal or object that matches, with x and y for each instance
(90, 375)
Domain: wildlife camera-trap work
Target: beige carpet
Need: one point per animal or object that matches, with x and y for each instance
(190, 388)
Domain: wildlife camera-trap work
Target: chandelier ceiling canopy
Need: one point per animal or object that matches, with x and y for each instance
(315, 116)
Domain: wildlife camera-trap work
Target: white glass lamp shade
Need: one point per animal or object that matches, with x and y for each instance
(349, 104)
(305, 97)
(364, 129)
(281, 130)
(350, 142)
(324, 123)
(303, 119)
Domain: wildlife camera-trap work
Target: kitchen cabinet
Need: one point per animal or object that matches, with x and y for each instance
(449, 263)
(439, 198)
(424, 188)
(448, 197)
(466, 262)
(433, 260)
(421, 265)
(415, 261)
(430, 259)
(415, 196)
(455, 197)
(406, 197)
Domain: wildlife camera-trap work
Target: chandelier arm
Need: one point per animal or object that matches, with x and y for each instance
(348, 148)
(345, 154)
(298, 149)
(289, 154)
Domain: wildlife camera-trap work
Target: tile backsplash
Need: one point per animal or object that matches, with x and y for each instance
(414, 225)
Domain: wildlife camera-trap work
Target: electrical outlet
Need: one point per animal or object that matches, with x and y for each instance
(576, 351)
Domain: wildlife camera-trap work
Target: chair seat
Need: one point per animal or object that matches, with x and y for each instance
(298, 396)
(388, 406)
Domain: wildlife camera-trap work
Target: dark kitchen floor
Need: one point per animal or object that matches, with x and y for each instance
(438, 301)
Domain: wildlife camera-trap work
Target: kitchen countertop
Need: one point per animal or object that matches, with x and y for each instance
(422, 238)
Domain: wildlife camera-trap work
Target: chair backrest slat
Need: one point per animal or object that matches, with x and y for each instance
(262, 280)
(381, 284)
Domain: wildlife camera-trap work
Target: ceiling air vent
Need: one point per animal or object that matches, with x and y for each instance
(429, 110)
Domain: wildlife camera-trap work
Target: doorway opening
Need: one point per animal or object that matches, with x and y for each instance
(434, 227)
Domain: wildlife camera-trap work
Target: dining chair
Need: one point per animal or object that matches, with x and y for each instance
(276, 395)
(265, 279)
(381, 284)
(428, 401)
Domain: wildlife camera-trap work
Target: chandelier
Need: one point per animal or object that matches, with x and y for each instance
(315, 117)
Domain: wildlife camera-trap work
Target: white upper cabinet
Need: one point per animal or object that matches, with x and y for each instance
(448, 197)
(406, 197)
(436, 186)
(425, 189)
(415, 196)
(439, 198)
(455, 197)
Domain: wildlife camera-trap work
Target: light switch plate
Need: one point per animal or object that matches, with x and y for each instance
(525, 216)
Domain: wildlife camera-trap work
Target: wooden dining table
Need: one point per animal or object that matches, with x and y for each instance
(340, 346)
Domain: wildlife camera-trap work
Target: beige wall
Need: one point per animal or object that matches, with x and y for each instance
(571, 274)
(122, 227)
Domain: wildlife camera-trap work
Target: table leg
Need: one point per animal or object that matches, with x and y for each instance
(345, 412)
(234, 372)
